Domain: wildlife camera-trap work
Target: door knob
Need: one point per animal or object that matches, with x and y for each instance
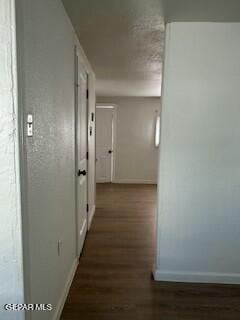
(82, 172)
(110, 151)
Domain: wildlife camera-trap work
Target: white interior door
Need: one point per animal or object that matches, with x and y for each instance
(104, 144)
(81, 152)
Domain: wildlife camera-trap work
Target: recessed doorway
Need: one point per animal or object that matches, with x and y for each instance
(105, 140)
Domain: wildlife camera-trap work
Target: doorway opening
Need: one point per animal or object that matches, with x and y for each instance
(105, 143)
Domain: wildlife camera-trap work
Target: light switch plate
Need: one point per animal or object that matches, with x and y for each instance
(29, 125)
(29, 118)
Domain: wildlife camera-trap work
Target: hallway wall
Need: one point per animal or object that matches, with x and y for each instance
(11, 257)
(136, 155)
(47, 62)
(199, 157)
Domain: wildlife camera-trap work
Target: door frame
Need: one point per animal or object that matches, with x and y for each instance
(114, 134)
(79, 64)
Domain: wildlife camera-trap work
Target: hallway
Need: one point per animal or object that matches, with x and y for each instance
(113, 280)
(118, 253)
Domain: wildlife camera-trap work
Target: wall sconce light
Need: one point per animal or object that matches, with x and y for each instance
(157, 132)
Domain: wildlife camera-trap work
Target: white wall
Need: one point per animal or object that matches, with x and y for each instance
(199, 203)
(48, 42)
(11, 270)
(136, 157)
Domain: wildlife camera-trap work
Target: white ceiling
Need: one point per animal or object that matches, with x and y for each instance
(124, 39)
(124, 42)
(202, 10)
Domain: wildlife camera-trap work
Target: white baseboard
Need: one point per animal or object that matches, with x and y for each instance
(84, 227)
(197, 277)
(62, 300)
(134, 181)
(91, 215)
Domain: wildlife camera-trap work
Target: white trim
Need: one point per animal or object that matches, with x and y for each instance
(90, 216)
(134, 181)
(197, 277)
(83, 227)
(114, 143)
(83, 58)
(62, 300)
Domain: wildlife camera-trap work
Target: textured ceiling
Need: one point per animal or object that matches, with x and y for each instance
(202, 10)
(124, 41)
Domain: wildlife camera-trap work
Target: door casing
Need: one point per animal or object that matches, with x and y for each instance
(80, 164)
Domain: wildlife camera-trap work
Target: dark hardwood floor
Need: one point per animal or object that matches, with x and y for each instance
(113, 280)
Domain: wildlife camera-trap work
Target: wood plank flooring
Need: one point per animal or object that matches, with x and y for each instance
(113, 280)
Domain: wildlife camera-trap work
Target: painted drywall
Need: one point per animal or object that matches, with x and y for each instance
(136, 157)
(204, 10)
(129, 88)
(11, 257)
(198, 219)
(47, 61)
